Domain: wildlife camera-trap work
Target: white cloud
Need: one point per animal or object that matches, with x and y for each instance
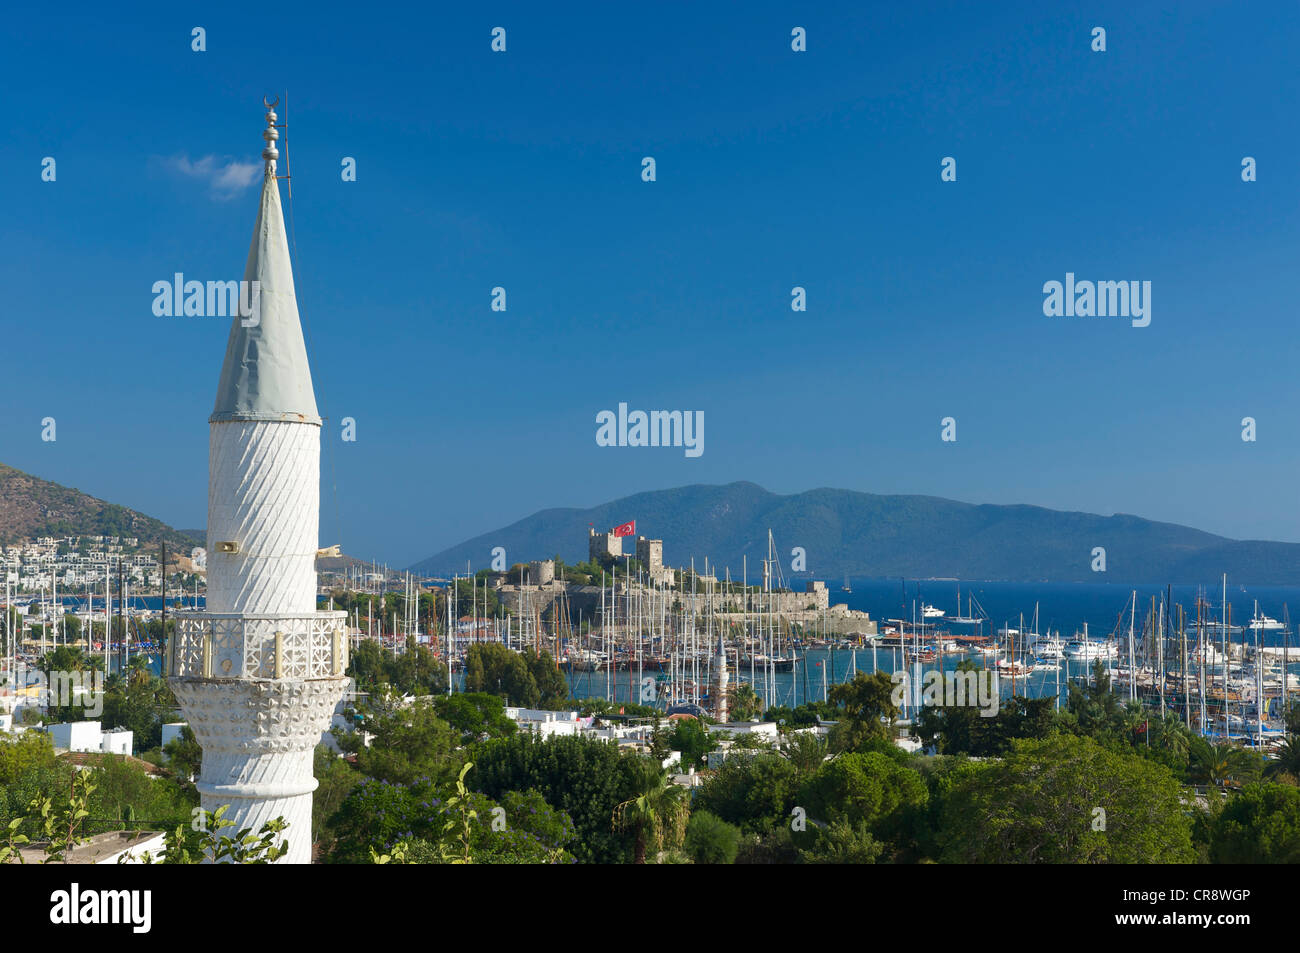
(225, 176)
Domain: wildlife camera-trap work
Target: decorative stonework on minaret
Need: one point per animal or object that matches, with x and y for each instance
(258, 673)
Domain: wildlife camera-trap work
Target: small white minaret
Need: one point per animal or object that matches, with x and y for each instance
(719, 688)
(259, 672)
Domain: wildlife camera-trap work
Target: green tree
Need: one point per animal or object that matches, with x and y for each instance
(29, 771)
(60, 820)
(22, 755)
(1095, 711)
(807, 715)
(485, 598)
(125, 793)
(408, 742)
(140, 703)
(417, 671)
(184, 754)
(335, 780)
(585, 777)
(1287, 760)
(710, 839)
(872, 788)
(378, 815)
(756, 793)
(1261, 825)
(440, 824)
(1220, 763)
(492, 668)
(966, 729)
(656, 814)
(807, 752)
(478, 716)
(862, 706)
(843, 842)
(602, 706)
(743, 703)
(552, 689)
(690, 737)
(1044, 802)
(367, 663)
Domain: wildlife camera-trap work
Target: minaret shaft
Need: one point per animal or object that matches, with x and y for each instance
(264, 495)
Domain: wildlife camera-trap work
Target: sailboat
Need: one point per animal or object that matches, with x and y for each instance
(969, 618)
(846, 587)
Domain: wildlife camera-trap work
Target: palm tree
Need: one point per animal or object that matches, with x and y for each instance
(744, 704)
(1171, 734)
(65, 658)
(137, 671)
(656, 814)
(1287, 761)
(1215, 764)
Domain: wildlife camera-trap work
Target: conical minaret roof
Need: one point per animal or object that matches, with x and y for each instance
(265, 375)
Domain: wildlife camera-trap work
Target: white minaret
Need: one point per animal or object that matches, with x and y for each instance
(259, 672)
(719, 687)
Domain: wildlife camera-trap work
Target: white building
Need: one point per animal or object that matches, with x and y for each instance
(89, 736)
(117, 742)
(172, 732)
(547, 724)
(767, 730)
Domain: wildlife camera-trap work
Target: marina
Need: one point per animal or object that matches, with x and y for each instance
(650, 644)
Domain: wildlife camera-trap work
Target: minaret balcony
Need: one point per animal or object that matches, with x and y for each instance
(232, 645)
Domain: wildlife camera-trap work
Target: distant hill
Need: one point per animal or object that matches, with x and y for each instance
(865, 534)
(30, 506)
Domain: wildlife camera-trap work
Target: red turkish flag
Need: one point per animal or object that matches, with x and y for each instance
(627, 529)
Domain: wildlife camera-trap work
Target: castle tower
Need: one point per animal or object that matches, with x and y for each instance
(718, 690)
(650, 554)
(604, 548)
(258, 673)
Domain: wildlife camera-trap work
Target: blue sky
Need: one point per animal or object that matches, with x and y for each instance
(774, 169)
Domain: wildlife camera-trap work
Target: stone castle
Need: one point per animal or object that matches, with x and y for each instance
(540, 588)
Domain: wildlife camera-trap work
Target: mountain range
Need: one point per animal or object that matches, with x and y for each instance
(30, 507)
(841, 533)
(845, 532)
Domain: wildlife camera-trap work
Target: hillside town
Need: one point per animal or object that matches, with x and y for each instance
(80, 563)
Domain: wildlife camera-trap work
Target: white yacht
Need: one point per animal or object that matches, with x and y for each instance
(1264, 623)
(1086, 650)
(1048, 647)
